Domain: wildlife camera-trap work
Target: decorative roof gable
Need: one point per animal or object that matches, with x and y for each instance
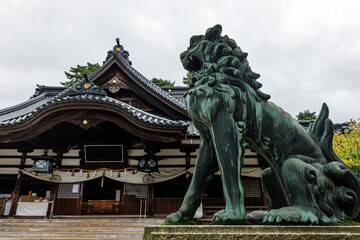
(85, 86)
(118, 50)
(118, 57)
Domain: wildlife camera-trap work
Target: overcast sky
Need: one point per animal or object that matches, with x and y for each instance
(307, 52)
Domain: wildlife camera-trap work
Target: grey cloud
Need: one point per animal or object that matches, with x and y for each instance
(307, 52)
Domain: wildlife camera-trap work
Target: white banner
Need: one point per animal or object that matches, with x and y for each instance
(31, 209)
(124, 176)
(127, 176)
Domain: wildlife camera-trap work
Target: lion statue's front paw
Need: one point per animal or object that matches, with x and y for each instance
(220, 216)
(174, 217)
(178, 218)
(226, 215)
(290, 215)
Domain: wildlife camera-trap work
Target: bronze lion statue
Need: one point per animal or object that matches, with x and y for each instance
(305, 183)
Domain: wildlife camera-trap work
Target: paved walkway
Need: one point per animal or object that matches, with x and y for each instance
(125, 228)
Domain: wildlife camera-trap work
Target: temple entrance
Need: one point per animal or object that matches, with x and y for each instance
(6, 193)
(102, 196)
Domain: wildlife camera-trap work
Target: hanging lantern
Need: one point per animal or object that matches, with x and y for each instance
(148, 164)
(43, 164)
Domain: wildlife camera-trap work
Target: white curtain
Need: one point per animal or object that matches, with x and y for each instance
(164, 174)
(125, 176)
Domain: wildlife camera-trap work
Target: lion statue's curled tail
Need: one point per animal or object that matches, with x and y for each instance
(347, 188)
(306, 182)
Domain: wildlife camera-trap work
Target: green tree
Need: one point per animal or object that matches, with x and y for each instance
(77, 73)
(306, 115)
(162, 83)
(187, 79)
(347, 146)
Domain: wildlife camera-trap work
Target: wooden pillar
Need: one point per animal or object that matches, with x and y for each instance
(188, 177)
(188, 160)
(55, 186)
(53, 193)
(59, 156)
(17, 189)
(81, 193)
(150, 200)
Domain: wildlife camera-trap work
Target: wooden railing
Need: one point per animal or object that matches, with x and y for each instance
(100, 207)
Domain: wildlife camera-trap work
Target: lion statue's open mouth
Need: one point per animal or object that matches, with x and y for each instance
(306, 181)
(191, 63)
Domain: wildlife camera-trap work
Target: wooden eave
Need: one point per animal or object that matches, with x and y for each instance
(65, 111)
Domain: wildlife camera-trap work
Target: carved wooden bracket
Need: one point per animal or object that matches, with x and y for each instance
(115, 84)
(85, 123)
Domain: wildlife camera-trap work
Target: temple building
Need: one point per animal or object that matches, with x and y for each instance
(114, 143)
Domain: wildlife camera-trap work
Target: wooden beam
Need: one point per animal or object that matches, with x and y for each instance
(17, 189)
(70, 111)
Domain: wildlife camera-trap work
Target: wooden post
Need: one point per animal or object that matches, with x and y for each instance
(55, 186)
(187, 160)
(188, 178)
(150, 200)
(53, 193)
(81, 193)
(17, 189)
(59, 156)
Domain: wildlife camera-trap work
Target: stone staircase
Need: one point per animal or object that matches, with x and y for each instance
(253, 232)
(81, 228)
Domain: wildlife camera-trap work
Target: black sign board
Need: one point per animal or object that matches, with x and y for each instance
(104, 153)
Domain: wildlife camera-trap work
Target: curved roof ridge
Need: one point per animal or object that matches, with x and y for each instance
(79, 88)
(52, 90)
(136, 113)
(24, 104)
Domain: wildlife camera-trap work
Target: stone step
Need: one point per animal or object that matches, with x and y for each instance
(75, 228)
(80, 223)
(59, 230)
(110, 224)
(274, 232)
(72, 236)
(250, 236)
(253, 228)
(80, 220)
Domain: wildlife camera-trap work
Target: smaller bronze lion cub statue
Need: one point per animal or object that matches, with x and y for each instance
(305, 183)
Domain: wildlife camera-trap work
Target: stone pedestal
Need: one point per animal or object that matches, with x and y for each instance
(253, 232)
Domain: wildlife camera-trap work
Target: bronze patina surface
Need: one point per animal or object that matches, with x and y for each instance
(306, 181)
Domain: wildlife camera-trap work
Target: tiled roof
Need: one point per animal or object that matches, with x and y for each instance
(49, 90)
(122, 56)
(24, 114)
(177, 92)
(338, 127)
(157, 90)
(24, 108)
(46, 96)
